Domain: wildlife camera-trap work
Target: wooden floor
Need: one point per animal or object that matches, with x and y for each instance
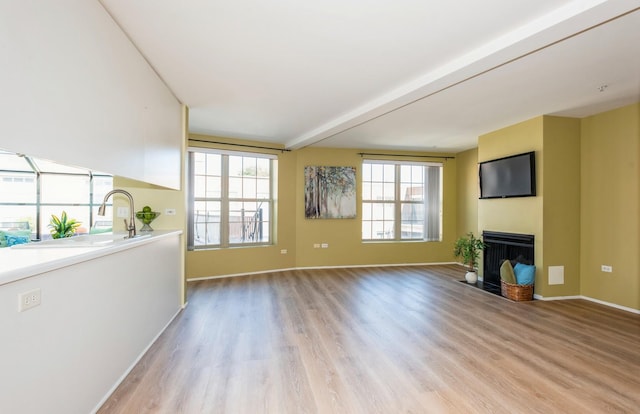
(383, 340)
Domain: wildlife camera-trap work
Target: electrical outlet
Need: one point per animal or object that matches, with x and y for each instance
(283, 251)
(606, 268)
(316, 245)
(30, 299)
(122, 212)
(170, 211)
(325, 245)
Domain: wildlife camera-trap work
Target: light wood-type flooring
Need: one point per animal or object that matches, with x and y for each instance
(408, 339)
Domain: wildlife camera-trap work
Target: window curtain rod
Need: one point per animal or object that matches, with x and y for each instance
(240, 145)
(362, 154)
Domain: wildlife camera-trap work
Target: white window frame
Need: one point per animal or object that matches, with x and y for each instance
(225, 200)
(432, 202)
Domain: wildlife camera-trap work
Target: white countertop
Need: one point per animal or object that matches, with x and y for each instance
(16, 264)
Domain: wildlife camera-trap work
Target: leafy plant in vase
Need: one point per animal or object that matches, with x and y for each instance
(468, 248)
(63, 226)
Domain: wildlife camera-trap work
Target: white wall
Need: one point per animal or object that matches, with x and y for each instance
(95, 320)
(74, 89)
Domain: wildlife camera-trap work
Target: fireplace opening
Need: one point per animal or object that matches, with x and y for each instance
(501, 246)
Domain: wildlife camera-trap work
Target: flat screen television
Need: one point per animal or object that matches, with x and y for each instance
(513, 176)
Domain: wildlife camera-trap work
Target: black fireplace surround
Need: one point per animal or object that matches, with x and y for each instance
(501, 246)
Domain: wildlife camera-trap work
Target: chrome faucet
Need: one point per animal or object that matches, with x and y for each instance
(131, 226)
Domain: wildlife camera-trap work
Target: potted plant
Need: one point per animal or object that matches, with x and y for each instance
(63, 226)
(468, 248)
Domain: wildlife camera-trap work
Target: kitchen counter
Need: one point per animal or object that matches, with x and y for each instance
(103, 300)
(21, 263)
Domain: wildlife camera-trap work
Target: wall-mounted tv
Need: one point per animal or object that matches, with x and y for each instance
(513, 176)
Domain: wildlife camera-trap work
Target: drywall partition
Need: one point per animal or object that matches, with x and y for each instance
(610, 206)
(75, 90)
(467, 192)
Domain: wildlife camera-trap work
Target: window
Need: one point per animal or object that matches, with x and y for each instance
(32, 189)
(401, 201)
(230, 199)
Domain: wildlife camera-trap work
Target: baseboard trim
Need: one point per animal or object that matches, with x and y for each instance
(197, 279)
(590, 299)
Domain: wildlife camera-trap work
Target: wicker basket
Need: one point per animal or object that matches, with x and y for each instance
(516, 292)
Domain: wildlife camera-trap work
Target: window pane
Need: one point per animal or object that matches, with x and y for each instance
(249, 167)
(235, 187)
(248, 188)
(412, 221)
(366, 191)
(235, 166)
(248, 222)
(64, 189)
(101, 186)
(377, 191)
(411, 192)
(366, 172)
(199, 187)
(366, 211)
(213, 165)
(17, 187)
(18, 217)
(199, 163)
(389, 191)
(206, 223)
(263, 188)
(264, 167)
(213, 187)
(389, 173)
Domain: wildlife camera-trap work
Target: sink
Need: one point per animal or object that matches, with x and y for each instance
(88, 240)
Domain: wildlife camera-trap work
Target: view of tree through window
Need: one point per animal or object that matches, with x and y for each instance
(231, 199)
(31, 190)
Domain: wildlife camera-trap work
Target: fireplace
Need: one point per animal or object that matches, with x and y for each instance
(500, 246)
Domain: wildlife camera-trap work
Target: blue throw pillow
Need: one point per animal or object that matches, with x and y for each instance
(525, 274)
(13, 240)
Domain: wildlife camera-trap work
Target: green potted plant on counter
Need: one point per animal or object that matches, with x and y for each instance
(63, 226)
(468, 249)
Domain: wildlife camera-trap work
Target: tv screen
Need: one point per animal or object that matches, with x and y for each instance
(513, 176)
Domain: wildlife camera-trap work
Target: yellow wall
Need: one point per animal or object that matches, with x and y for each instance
(298, 235)
(467, 192)
(518, 214)
(560, 211)
(610, 206)
(344, 235)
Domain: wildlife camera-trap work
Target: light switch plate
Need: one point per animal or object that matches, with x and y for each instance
(122, 212)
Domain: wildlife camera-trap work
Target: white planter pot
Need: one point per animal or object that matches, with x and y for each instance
(471, 277)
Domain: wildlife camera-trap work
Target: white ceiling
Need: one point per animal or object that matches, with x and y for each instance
(386, 74)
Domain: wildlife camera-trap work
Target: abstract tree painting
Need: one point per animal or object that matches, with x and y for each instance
(329, 192)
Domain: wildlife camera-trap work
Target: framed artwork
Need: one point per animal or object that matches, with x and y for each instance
(329, 192)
